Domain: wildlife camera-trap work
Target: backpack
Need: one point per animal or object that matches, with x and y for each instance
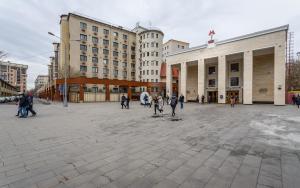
(173, 101)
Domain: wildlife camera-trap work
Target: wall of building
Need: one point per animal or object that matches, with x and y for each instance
(263, 78)
(276, 39)
(192, 82)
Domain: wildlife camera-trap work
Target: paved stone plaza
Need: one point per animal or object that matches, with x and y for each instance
(100, 145)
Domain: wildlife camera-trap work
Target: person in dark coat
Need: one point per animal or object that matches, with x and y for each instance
(173, 104)
(181, 100)
(127, 102)
(30, 104)
(145, 100)
(202, 99)
(298, 100)
(24, 106)
(123, 100)
(294, 99)
(155, 101)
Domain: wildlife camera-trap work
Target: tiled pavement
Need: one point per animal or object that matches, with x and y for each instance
(100, 145)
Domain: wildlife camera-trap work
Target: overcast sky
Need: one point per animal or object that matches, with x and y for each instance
(25, 23)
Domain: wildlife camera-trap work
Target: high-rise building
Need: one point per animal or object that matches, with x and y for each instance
(14, 74)
(102, 50)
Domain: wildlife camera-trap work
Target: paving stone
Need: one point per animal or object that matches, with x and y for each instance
(166, 184)
(128, 148)
(180, 174)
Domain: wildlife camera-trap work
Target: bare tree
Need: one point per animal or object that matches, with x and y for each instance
(293, 79)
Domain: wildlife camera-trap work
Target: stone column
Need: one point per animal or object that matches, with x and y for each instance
(183, 75)
(222, 79)
(129, 92)
(169, 79)
(81, 93)
(107, 92)
(248, 77)
(279, 75)
(201, 78)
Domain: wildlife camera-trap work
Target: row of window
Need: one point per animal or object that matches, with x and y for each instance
(178, 46)
(105, 61)
(148, 36)
(151, 80)
(147, 72)
(105, 42)
(147, 54)
(95, 49)
(234, 81)
(83, 68)
(152, 44)
(105, 31)
(234, 67)
(147, 63)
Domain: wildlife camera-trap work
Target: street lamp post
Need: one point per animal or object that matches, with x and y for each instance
(65, 100)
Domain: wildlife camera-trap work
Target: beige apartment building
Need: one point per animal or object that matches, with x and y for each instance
(41, 81)
(96, 49)
(14, 74)
(250, 68)
(172, 46)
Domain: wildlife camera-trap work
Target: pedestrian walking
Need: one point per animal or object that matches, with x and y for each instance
(146, 100)
(167, 98)
(150, 101)
(181, 100)
(298, 100)
(23, 106)
(127, 102)
(232, 101)
(202, 99)
(160, 104)
(294, 99)
(155, 102)
(123, 100)
(173, 104)
(30, 104)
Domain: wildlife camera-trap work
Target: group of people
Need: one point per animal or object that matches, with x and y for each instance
(25, 105)
(125, 102)
(296, 100)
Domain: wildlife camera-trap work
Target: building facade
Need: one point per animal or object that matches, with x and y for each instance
(14, 74)
(250, 68)
(41, 81)
(172, 46)
(96, 49)
(7, 89)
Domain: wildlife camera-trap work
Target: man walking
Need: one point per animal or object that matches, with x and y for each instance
(23, 106)
(127, 102)
(173, 104)
(181, 100)
(30, 104)
(232, 101)
(123, 99)
(298, 100)
(155, 101)
(202, 99)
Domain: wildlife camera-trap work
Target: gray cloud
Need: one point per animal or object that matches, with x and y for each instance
(24, 24)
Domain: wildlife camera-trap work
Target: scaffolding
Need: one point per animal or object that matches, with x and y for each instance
(289, 53)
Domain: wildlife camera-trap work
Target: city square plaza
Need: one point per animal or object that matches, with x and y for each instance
(101, 145)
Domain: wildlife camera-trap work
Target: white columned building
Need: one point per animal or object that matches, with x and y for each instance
(250, 67)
